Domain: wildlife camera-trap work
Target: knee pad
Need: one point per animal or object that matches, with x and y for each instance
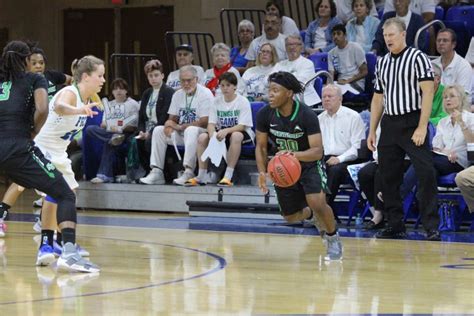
(66, 201)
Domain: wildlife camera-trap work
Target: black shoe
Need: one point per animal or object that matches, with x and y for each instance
(390, 233)
(372, 226)
(433, 235)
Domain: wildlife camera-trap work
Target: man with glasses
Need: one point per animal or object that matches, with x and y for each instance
(299, 66)
(272, 35)
(188, 115)
(454, 68)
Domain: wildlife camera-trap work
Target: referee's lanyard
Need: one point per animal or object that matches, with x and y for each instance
(188, 105)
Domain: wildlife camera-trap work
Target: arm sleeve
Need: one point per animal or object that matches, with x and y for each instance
(174, 106)
(378, 87)
(245, 116)
(308, 39)
(251, 53)
(423, 68)
(213, 111)
(40, 82)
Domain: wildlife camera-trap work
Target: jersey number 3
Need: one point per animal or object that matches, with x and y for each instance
(287, 144)
(5, 90)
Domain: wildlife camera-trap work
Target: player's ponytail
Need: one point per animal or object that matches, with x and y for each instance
(86, 64)
(13, 61)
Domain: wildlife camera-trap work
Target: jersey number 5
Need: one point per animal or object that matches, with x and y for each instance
(287, 144)
(6, 87)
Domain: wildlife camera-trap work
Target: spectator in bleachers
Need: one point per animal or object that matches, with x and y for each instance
(119, 123)
(246, 33)
(343, 131)
(346, 61)
(154, 105)
(318, 34)
(362, 27)
(272, 35)
(302, 68)
(437, 110)
(345, 9)
(184, 57)
(230, 120)
(425, 8)
(255, 78)
(220, 53)
(455, 69)
(288, 25)
(188, 117)
(413, 23)
(465, 178)
(470, 59)
(452, 133)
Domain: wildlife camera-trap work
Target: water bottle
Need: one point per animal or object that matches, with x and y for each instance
(359, 221)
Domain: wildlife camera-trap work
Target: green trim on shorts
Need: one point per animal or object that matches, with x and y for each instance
(48, 168)
(323, 176)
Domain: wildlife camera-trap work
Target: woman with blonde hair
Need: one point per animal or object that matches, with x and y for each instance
(255, 78)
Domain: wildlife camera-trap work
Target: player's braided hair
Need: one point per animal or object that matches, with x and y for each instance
(286, 80)
(13, 61)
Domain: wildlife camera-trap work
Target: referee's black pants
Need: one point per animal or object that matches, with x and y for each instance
(395, 141)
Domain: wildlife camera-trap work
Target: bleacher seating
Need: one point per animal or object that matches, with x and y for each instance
(320, 61)
(462, 14)
(439, 13)
(230, 19)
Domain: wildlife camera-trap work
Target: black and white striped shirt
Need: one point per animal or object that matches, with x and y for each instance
(397, 77)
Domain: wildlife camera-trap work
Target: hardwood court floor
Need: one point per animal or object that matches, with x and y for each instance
(179, 272)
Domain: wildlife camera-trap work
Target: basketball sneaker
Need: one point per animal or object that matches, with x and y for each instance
(37, 226)
(38, 203)
(71, 260)
(155, 176)
(184, 177)
(225, 183)
(334, 248)
(194, 182)
(3, 228)
(45, 255)
(58, 250)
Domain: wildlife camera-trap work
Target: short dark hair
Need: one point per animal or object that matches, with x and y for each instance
(332, 5)
(153, 64)
(339, 27)
(454, 37)
(230, 77)
(119, 83)
(278, 4)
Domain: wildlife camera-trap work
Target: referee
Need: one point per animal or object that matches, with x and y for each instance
(403, 93)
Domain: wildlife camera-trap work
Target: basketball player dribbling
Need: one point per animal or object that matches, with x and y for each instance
(294, 128)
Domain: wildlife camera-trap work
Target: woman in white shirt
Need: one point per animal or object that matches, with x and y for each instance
(255, 78)
(288, 25)
(449, 143)
(230, 120)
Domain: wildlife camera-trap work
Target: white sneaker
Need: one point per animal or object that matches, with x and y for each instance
(37, 226)
(187, 175)
(38, 202)
(71, 260)
(3, 228)
(155, 176)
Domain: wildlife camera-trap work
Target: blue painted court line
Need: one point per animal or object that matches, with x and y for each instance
(266, 226)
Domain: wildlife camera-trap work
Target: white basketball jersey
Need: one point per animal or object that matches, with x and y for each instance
(58, 131)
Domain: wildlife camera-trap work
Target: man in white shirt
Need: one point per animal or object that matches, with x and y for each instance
(184, 57)
(302, 68)
(346, 61)
(342, 130)
(455, 69)
(425, 8)
(188, 116)
(272, 35)
(470, 59)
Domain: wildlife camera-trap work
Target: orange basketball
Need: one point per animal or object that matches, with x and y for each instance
(284, 170)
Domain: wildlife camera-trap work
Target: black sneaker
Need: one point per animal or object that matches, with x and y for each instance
(370, 225)
(433, 235)
(390, 233)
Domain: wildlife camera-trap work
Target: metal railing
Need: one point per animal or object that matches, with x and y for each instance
(302, 11)
(230, 19)
(130, 67)
(200, 41)
(425, 28)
